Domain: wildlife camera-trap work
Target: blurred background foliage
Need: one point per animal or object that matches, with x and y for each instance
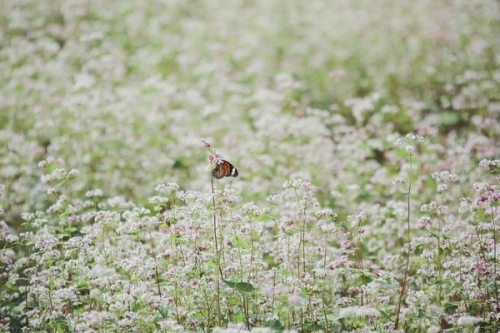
(124, 90)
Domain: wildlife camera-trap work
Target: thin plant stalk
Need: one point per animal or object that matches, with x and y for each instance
(403, 282)
(302, 241)
(359, 261)
(217, 280)
(438, 254)
(495, 261)
(153, 254)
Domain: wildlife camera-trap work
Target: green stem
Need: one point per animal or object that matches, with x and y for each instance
(217, 280)
(403, 282)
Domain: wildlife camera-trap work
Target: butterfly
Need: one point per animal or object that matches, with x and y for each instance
(225, 169)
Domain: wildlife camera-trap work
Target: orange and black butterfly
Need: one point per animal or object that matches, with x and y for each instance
(225, 169)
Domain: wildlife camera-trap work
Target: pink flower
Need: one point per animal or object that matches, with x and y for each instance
(294, 299)
(205, 143)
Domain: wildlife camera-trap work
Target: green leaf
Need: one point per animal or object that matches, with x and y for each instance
(275, 325)
(386, 316)
(240, 242)
(178, 239)
(450, 307)
(243, 287)
(164, 312)
(313, 326)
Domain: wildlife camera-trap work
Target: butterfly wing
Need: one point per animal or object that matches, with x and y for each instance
(225, 169)
(233, 172)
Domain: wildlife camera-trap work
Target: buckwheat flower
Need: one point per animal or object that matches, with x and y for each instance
(251, 209)
(51, 191)
(7, 256)
(126, 323)
(325, 213)
(320, 272)
(59, 162)
(467, 320)
(106, 217)
(171, 325)
(285, 82)
(442, 187)
(94, 193)
(167, 188)
(88, 204)
(151, 221)
(343, 301)
(358, 311)
(442, 209)
(267, 290)
(292, 183)
(427, 270)
(266, 210)
(356, 218)
(214, 158)
(4, 230)
(482, 268)
(408, 139)
(399, 180)
(273, 199)
(424, 223)
(287, 225)
(361, 216)
(73, 173)
(445, 177)
(375, 269)
(306, 278)
(65, 294)
(205, 143)
(157, 200)
(308, 187)
(326, 226)
(493, 165)
(480, 187)
(27, 216)
(417, 298)
(45, 179)
(58, 206)
(485, 163)
(282, 289)
(348, 245)
(10, 238)
(352, 219)
(354, 290)
(427, 253)
(58, 174)
(434, 329)
(294, 299)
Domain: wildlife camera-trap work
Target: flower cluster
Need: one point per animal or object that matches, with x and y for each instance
(108, 222)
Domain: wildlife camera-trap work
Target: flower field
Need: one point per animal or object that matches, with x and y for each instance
(266, 166)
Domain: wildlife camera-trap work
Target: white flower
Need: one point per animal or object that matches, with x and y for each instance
(467, 320)
(358, 311)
